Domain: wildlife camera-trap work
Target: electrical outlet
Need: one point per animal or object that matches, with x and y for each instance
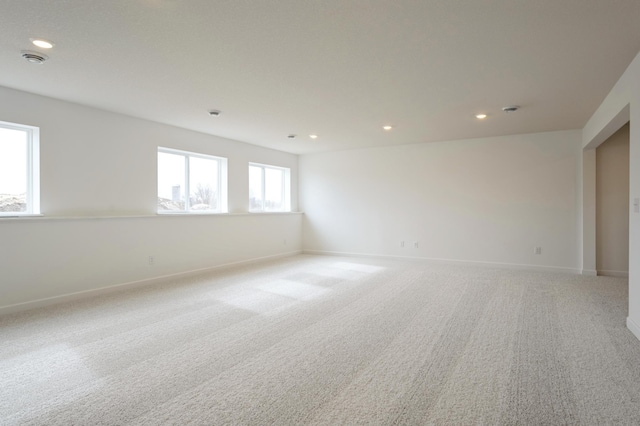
(537, 250)
(402, 244)
(284, 242)
(152, 260)
(415, 245)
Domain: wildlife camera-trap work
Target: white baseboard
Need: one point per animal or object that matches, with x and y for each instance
(635, 328)
(609, 273)
(39, 303)
(452, 261)
(590, 272)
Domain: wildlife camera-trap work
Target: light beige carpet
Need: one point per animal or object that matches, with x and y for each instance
(330, 340)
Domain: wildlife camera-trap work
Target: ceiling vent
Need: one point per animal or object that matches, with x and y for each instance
(512, 108)
(34, 57)
(215, 112)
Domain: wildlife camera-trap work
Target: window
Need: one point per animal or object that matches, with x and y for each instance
(191, 183)
(19, 169)
(269, 188)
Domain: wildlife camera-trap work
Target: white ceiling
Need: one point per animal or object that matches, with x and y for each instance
(338, 68)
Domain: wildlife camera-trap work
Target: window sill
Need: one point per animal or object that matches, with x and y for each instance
(180, 213)
(228, 214)
(19, 215)
(42, 217)
(258, 212)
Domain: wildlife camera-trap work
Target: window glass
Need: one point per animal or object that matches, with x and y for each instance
(255, 188)
(18, 169)
(202, 177)
(269, 188)
(273, 189)
(171, 182)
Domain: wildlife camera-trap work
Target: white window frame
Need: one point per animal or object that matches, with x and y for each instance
(33, 168)
(222, 181)
(286, 188)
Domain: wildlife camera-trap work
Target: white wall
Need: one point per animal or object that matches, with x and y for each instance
(588, 219)
(98, 163)
(481, 200)
(98, 168)
(622, 104)
(612, 205)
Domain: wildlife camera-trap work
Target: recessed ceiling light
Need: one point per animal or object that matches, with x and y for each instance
(481, 116)
(42, 43)
(313, 136)
(387, 127)
(291, 136)
(214, 112)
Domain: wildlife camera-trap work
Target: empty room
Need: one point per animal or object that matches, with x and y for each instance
(242, 212)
